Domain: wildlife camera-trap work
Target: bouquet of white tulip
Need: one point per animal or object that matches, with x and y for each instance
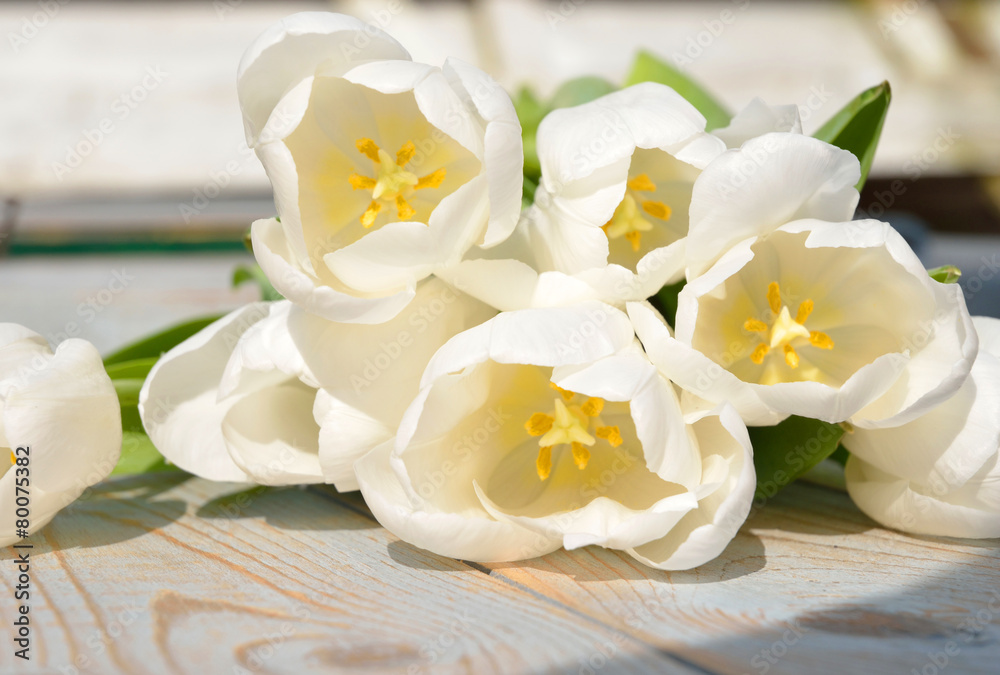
(517, 326)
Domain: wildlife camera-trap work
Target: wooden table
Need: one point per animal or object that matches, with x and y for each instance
(170, 574)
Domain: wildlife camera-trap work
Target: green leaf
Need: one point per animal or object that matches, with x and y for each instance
(154, 345)
(649, 68)
(858, 125)
(946, 274)
(254, 274)
(784, 452)
(139, 455)
(665, 301)
(528, 192)
(580, 90)
(138, 368)
(530, 110)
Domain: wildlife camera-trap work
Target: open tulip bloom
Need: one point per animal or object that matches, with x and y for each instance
(500, 379)
(383, 169)
(549, 428)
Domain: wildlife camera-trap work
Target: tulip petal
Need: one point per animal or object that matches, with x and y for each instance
(272, 437)
(293, 48)
(705, 532)
(757, 119)
(179, 401)
(468, 535)
(772, 180)
(320, 297)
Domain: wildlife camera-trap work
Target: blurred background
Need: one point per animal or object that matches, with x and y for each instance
(126, 185)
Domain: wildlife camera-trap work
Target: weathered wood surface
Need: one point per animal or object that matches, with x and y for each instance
(164, 574)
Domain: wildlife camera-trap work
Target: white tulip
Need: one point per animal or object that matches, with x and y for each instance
(534, 267)
(834, 321)
(549, 428)
(60, 427)
(383, 169)
(940, 474)
(616, 183)
(759, 118)
(245, 399)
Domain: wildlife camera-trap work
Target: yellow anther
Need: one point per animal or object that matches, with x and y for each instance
(759, 353)
(755, 325)
(612, 435)
(403, 208)
(635, 239)
(359, 182)
(821, 340)
(368, 217)
(543, 465)
(566, 394)
(593, 407)
(13, 459)
(791, 356)
(805, 309)
(368, 147)
(581, 455)
(431, 180)
(774, 296)
(405, 153)
(538, 424)
(641, 183)
(657, 210)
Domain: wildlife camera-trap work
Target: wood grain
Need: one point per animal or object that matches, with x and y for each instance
(168, 574)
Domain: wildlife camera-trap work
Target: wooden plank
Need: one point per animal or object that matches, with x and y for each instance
(809, 585)
(152, 575)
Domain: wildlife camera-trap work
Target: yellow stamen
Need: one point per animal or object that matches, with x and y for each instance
(634, 238)
(821, 340)
(367, 147)
(755, 325)
(368, 217)
(431, 180)
(774, 296)
(791, 356)
(657, 210)
(581, 455)
(13, 459)
(405, 153)
(641, 183)
(628, 222)
(543, 465)
(759, 353)
(805, 309)
(403, 208)
(359, 182)
(612, 435)
(593, 407)
(566, 394)
(539, 424)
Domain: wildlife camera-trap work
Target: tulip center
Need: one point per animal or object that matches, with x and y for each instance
(392, 184)
(779, 333)
(627, 220)
(569, 425)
